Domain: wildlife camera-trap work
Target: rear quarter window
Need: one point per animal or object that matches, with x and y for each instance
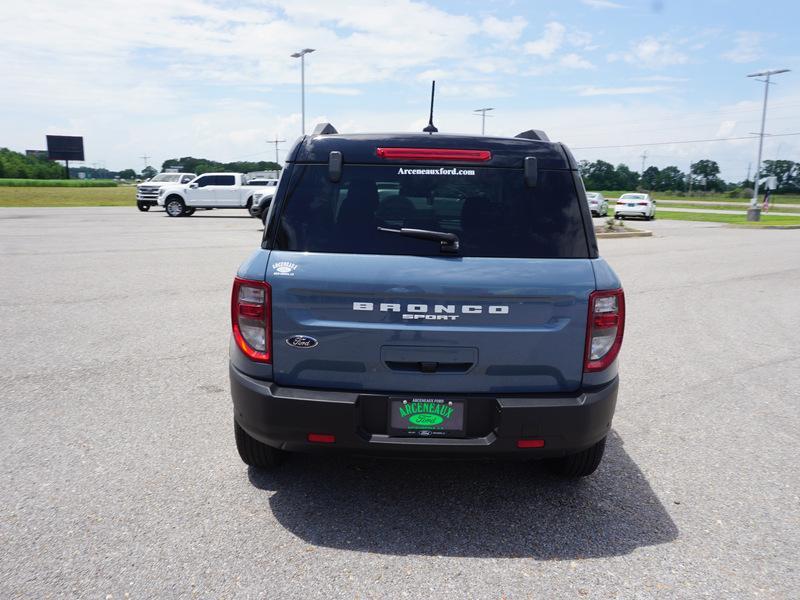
(491, 210)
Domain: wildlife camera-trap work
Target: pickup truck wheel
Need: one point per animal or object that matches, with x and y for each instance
(189, 211)
(142, 206)
(264, 217)
(578, 465)
(254, 453)
(175, 207)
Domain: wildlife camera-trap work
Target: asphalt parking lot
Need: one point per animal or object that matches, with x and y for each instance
(118, 472)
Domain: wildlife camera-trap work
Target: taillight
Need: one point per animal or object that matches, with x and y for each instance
(604, 329)
(251, 318)
(642, 203)
(434, 154)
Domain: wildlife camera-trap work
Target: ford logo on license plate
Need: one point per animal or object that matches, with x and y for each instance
(301, 341)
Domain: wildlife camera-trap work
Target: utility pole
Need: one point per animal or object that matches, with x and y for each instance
(302, 56)
(748, 172)
(482, 112)
(145, 158)
(276, 141)
(644, 158)
(754, 213)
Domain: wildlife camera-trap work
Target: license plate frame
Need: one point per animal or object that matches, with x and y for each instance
(433, 417)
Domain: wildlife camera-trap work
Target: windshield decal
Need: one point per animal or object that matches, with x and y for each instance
(437, 171)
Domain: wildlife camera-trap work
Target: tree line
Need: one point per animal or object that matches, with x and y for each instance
(15, 165)
(703, 175)
(189, 164)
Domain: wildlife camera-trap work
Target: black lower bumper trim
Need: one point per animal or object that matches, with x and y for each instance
(283, 417)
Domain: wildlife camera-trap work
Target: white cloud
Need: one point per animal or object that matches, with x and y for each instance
(575, 61)
(551, 41)
(602, 4)
(747, 49)
(620, 91)
(334, 90)
(651, 52)
(506, 31)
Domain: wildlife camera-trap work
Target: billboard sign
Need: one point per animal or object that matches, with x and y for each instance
(65, 147)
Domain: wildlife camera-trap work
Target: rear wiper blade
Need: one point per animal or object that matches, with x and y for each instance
(449, 241)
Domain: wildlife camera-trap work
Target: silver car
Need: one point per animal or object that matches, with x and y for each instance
(598, 205)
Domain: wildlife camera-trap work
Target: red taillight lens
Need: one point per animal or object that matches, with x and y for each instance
(530, 443)
(642, 203)
(251, 318)
(434, 154)
(604, 329)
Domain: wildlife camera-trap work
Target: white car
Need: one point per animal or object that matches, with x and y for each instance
(598, 205)
(635, 205)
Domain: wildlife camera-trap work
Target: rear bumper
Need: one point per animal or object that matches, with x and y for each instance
(632, 212)
(283, 417)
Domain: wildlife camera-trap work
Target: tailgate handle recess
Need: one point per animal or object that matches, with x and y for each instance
(429, 366)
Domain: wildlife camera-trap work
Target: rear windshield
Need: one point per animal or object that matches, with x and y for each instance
(491, 210)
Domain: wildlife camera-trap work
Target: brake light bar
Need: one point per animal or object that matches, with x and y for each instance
(251, 318)
(604, 329)
(434, 154)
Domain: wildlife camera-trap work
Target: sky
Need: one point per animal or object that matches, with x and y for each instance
(215, 79)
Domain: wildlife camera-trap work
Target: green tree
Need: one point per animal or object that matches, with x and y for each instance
(650, 178)
(707, 171)
(149, 172)
(598, 175)
(626, 179)
(127, 174)
(786, 171)
(671, 179)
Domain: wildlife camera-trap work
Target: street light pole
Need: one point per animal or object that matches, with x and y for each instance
(482, 112)
(302, 56)
(754, 213)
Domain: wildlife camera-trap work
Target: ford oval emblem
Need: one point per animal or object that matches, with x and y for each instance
(301, 341)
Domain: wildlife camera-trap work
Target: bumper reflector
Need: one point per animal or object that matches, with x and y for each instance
(530, 443)
(321, 438)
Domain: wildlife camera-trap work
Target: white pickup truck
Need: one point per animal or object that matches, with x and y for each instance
(210, 190)
(147, 192)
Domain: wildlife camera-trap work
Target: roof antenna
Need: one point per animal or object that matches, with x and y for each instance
(431, 128)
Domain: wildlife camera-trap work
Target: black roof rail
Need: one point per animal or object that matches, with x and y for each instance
(324, 129)
(534, 134)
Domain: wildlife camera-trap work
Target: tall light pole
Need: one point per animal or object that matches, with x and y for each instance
(482, 112)
(302, 56)
(754, 213)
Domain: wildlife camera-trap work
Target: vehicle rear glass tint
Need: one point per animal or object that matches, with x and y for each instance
(492, 211)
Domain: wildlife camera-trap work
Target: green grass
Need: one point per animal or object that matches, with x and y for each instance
(58, 183)
(716, 207)
(711, 197)
(67, 196)
(766, 220)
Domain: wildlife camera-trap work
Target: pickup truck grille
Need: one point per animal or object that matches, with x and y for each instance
(147, 193)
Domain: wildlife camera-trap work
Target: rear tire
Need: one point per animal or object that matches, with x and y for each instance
(189, 211)
(254, 453)
(142, 206)
(582, 464)
(175, 206)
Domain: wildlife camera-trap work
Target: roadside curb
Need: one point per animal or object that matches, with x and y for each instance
(625, 234)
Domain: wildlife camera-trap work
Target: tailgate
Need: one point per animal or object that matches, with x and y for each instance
(429, 324)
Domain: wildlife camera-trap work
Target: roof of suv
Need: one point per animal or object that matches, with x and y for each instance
(362, 148)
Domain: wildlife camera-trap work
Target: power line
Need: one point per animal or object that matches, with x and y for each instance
(728, 139)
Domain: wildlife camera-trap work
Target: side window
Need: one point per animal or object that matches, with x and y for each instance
(225, 180)
(204, 181)
(186, 179)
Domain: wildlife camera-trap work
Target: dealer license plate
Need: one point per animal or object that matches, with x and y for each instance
(426, 417)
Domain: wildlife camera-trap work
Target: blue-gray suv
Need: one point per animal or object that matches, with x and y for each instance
(427, 295)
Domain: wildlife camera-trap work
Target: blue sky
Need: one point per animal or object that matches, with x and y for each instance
(215, 79)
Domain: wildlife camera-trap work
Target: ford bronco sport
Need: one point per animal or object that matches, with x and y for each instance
(427, 295)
